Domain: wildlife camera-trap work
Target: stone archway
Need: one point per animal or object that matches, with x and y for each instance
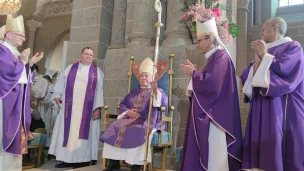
(53, 59)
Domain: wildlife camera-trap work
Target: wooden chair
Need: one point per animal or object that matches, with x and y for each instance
(38, 144)
(162, 140)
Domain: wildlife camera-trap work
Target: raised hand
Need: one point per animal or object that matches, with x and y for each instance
(36, 58)
(259, 47)
(154, 86)
(25, 55)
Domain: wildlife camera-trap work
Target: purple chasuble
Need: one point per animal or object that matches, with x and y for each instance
(274, 138)
(16, 100)
(126, 133)
(214, 99)
(87, 106)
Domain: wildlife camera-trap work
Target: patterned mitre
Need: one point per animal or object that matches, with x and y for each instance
(14, 24)
(147, 66)
(209, 28)
(2, 32)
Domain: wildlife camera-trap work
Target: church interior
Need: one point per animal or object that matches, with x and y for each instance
(122, 33)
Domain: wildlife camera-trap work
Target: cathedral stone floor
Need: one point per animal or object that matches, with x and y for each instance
(50, 166)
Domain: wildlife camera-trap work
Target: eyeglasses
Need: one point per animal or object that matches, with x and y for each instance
(20, 35)
(87, 54)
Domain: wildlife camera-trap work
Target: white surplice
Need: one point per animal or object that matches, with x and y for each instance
(218, 155)
(40, 88)
(133, 156)
(8, 161)
(261, 78)
(77, 150)
(52, 111)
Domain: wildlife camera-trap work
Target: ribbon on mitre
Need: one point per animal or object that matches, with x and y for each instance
(161, 66)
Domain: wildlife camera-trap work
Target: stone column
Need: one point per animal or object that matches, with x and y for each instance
(257, 11)
(118, 24)
(32, 25)
(176, 33)
(143, 23)
(241, 44)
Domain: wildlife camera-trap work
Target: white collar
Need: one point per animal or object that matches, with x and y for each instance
(279, 42)
(83, 66)
(12, 48)
(211, 52)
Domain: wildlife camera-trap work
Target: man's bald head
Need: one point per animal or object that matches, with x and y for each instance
(280, 23)
(274, 29)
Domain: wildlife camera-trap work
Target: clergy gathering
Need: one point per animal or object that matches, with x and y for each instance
(152, 85)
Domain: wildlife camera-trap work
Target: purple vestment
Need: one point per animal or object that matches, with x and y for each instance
(129, 133)
(16, 100)
(87, 106)
(215, 98)
(274, 139)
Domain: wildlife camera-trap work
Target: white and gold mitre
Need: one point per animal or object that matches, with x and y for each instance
(2, 32)
(14, 24)
(146, 66)
(206, 28)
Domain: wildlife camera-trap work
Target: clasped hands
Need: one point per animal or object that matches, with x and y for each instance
(260, 48)
(25, 55)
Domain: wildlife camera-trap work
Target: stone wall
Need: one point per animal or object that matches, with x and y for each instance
(91, 26)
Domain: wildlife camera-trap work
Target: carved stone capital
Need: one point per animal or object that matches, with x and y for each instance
(33, 25)
(54, 9)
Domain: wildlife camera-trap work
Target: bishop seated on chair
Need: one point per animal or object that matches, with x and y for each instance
(125, 138)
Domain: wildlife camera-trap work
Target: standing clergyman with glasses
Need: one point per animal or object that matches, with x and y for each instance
(79, 93)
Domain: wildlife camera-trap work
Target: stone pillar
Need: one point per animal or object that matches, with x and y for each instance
(143, 23)
(32, 25)
(118, 26)
(241, 43)
(91, 26)
(176, 33)
(258, 11)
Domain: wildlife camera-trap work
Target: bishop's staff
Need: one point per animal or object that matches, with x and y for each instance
(158, 9)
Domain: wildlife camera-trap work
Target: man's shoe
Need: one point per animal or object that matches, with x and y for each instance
(94, 162)
(113, 165)
(135, 168)
(63, 165)
(79, 165)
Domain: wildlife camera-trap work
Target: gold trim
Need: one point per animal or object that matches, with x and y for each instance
(130, 73)
(170, 112)
(205, 34)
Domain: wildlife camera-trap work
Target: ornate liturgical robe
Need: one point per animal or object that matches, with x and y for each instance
(125, 138)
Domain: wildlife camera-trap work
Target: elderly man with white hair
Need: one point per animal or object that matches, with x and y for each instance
(15, 85)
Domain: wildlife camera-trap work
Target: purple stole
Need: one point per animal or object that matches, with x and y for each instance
(87, 106)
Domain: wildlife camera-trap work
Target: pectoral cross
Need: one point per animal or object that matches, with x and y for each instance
(93, 76)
